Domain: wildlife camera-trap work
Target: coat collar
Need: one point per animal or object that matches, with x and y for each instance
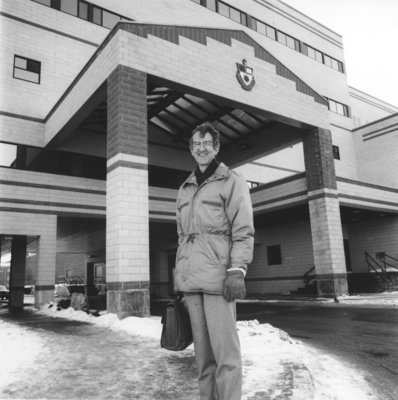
(221, 172)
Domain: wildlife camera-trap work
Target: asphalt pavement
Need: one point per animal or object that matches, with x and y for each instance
(364, 334)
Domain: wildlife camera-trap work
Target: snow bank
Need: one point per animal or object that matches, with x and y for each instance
(18, 349)
(274, 364)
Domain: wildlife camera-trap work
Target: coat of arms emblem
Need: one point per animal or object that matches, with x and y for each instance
(245, 75)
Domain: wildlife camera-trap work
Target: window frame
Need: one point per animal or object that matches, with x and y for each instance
(215, 2)
(274, 258)
(270, 29)
(336, 152)
(26, 69)
(90, 11)
(335, 106)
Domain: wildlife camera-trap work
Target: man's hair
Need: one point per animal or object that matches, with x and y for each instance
(204, 128)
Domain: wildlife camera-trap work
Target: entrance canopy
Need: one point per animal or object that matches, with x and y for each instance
(192, 77)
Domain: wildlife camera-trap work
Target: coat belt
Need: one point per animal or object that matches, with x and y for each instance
(190, 237)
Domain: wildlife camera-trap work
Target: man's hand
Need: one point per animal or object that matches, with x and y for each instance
(234, 287)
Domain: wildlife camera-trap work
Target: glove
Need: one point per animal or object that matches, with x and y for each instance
(234, 287)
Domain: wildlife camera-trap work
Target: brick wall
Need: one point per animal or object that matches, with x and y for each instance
(24, 131)
(40, 193)
(372, 236)
(127, 223)
(14, 223)
(297, 258)
(318, 156)
(61, 57)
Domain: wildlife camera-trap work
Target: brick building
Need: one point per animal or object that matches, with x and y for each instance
(98, 100)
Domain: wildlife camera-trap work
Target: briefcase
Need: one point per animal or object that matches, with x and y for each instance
(176, 331)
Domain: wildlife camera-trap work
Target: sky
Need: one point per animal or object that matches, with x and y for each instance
(370, 35)
(270, 357)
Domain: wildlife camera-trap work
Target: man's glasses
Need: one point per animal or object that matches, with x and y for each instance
(208, 144)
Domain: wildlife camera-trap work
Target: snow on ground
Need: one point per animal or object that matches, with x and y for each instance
(384, 300)
(372, 299)
(274, 364)
(18, 346)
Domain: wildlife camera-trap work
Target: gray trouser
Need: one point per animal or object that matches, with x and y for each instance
(217, 348)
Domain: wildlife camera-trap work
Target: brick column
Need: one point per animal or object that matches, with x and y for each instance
(17, 272)
(127, 215)
(46, 259)
(326, 229)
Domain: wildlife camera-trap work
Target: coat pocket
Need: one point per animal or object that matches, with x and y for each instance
(211, 213)
(221, 247)
(212, 254)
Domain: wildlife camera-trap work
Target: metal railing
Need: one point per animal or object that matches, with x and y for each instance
(309, 276)
(382, 265)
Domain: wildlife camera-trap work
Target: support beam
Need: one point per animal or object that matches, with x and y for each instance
(127, 220)
(17, 272)
(46, 254)
(326, 229)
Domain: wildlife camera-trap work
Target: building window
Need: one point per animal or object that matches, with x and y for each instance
(211, 4)
(274, 254)
(69, 7)
(336, 152)
(287, 40)
(99, 272)
(27, 69)
(86, 11)
(223, 9)
(232, 13)
(109, 20)
(315, 54)
(271, 32)
(83, 10)
(97, 15)
(266, 30)
(332, 63)
(338, 108)
(261, 28)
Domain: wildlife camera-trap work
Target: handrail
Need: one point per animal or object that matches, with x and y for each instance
(387, 263)
(393, 258)
(372, 267)
(308, 277)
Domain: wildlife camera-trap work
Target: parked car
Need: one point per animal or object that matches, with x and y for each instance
(4, 292)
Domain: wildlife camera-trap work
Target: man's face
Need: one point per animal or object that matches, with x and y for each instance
(203, 150)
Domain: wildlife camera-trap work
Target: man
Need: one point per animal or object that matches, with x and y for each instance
(215, 231)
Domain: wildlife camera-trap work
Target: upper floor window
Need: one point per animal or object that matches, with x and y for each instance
(332, 63)
(261, 27)
(232, 13)
(315, 54)
(212, 4)
(336, 152)
(27, 69)
(338, 108)
(288, 41)
(85, 10)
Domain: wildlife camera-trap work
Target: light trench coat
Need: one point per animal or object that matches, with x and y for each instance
(215, 231)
